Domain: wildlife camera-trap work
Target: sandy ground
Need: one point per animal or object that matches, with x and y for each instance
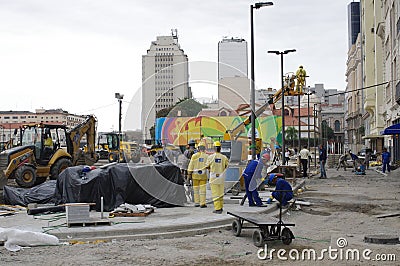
(344, 206)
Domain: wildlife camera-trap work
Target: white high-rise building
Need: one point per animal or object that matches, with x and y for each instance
(233, 83)
(165, 77)
(232, 58)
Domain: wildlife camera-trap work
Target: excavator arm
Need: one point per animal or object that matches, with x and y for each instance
(87, 156)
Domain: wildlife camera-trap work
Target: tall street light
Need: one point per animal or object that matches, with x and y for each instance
(252, 88)
(282, 92)
(119, 97)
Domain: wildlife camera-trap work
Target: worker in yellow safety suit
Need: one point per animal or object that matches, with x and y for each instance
(301, 79)
(217, 163)
(198, 172)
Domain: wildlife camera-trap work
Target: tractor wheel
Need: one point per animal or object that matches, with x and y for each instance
(123, 158)
(58, 167)
(236, 228)
(258, 238)
(286, 236)
(112, 157)
(40, 180)
(25, 176)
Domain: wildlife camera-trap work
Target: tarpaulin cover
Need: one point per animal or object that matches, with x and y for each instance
(41, 194)
(160, 185)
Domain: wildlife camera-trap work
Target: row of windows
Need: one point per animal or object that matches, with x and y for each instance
(162, 65)
(158, 54)
(165, 49)
(24, 117)
(164, 89)
(164, 58)
(164, 76)
(168, 82)
(163, 70)
(162, 106)
(164, 94)
(164, 100)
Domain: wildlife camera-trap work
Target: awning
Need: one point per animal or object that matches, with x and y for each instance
(392, 130)
(372, 136)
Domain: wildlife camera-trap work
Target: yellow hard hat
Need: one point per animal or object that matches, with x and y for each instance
(201, 144)
(217, 144)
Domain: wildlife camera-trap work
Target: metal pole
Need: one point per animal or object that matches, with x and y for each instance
(120, 118)
(315, 154)
(283, 107)
(252, 89)
(299, 133)
(308, 120)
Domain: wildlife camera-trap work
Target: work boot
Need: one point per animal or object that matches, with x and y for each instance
(218, 211)
(203, 206)
(197, 205)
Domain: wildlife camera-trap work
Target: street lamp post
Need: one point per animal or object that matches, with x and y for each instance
(119, 97)
(281, 53)
(252, 87)
(314, 115)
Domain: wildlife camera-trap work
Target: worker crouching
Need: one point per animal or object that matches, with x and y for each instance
(283, 190)
(217, 163)
(198, 173)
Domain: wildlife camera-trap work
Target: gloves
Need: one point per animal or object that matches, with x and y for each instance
(269, 201)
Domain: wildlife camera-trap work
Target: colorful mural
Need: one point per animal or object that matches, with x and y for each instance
(178, 130)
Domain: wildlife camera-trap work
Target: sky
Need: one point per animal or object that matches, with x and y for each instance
(76, 54)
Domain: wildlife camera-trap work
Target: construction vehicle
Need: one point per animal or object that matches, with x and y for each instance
(292, 86)
(118, 150)
(46, 150)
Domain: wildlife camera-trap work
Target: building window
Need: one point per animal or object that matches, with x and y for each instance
(337, 126)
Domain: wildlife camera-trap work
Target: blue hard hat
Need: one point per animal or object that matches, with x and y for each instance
(271, 177)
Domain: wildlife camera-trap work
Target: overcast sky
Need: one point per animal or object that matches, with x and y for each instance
(75, 54)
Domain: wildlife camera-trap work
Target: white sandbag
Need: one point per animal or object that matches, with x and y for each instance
(14, 239)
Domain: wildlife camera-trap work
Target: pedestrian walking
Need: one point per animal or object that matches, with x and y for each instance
(304, 157)
(217, 163)
(287, 157)
(322, 160)
(386, 156)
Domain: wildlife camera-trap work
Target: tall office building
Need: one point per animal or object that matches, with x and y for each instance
(232, 58)
(353, 13)
(233, 83)
(165, 77)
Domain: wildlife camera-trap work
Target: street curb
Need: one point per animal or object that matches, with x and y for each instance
(161, 232)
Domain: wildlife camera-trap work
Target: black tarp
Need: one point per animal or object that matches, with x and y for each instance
(160, 185)
(41, 194)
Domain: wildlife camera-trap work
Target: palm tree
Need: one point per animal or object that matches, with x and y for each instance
(291, 134)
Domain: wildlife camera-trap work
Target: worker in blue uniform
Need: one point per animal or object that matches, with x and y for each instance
(250, 176)
(283, 190)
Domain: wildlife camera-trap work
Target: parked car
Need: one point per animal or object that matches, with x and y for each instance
(364, 151)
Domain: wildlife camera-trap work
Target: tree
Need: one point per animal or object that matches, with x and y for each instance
(327, 132)
(291, 134)
(183, 108)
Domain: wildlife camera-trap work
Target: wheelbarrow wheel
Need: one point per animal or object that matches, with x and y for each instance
(286, 236)
(236, 228)
(235, 189)
(258, 238)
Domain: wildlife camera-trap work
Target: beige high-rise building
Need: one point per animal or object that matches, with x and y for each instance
(165, 76)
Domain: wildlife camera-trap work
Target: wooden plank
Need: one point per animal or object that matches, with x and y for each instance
(133, 214)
